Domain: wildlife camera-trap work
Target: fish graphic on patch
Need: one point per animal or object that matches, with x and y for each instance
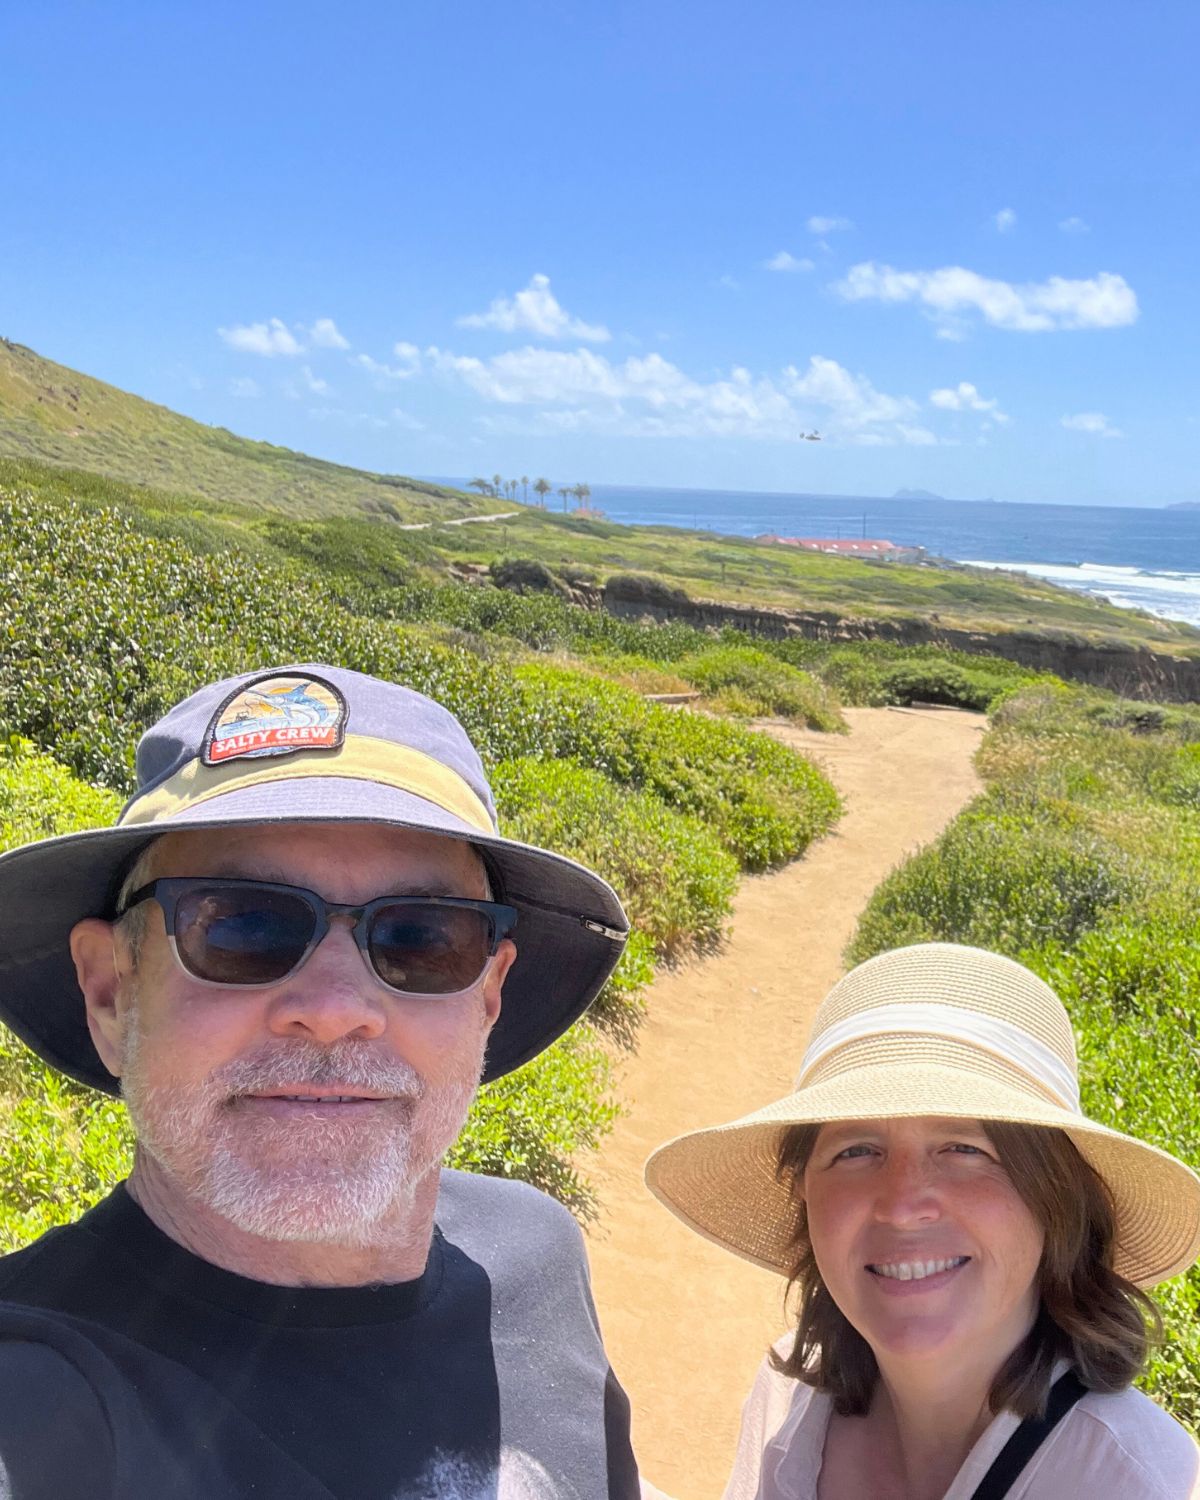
(279, 714)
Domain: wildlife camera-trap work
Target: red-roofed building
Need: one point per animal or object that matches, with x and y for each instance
(856, 547)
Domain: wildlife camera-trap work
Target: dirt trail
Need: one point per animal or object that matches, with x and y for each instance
(686, 1324)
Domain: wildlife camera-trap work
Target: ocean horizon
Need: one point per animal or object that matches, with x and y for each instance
(1135, 557)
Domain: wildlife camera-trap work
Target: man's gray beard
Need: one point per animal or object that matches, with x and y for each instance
(320, 1181)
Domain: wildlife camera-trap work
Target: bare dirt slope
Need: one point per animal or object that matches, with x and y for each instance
(686, 1323)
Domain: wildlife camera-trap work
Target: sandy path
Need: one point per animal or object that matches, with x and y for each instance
(686, 1324)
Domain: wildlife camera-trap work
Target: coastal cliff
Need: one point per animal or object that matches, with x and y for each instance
(1118, 665)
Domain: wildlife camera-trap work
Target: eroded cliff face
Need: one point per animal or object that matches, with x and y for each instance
(1134, 672)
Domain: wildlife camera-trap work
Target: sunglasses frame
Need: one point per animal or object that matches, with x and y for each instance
(170, 890)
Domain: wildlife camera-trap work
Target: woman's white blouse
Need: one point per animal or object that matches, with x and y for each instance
(1106, 1448)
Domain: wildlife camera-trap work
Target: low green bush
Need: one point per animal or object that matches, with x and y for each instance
(997, 878)
(62, 1147)
(534, 1123)
(941, 682)
(765, 684)
(764, 802)
(874, 673)
(39, 798)
(1133, 991)
(673, 876)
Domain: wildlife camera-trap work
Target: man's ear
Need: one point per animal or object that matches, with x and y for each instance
(94, 949)
(506, 951)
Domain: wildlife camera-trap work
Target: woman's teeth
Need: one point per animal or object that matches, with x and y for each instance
(917, 1270)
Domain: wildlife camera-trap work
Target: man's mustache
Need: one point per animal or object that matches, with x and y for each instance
(296, 1060)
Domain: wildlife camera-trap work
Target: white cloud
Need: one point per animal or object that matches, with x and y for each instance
(1103, 301)
(270, 338)
(535, 310)
(394, 419)
(965, 397)
(921, 437)
(827, 224)
(647, 395)
(325, 334)
(1094, 422)
(729, 283)
(313, 385)
(1074, 225)
(242, 386)
(408, 355)
(1006, 220)
(784, 261)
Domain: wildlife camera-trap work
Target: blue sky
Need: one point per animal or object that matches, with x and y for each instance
(637, 243)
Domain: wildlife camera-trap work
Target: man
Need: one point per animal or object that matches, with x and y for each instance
(289, 957)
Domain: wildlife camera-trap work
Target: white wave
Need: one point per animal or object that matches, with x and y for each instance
(1169, 595)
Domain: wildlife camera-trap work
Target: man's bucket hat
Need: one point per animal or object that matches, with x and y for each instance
(935, 1029)
(303, 744)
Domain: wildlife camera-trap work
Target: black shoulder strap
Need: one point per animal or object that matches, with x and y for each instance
(1028, 1438)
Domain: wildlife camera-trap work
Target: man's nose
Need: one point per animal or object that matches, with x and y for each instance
(905, 1191)
(333, 994)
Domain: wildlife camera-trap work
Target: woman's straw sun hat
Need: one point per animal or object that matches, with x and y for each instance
(942, 1030)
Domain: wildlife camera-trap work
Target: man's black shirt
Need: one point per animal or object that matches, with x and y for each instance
(132, 1369)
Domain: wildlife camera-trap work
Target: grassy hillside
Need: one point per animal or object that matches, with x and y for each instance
(182, 468)
(52, 413)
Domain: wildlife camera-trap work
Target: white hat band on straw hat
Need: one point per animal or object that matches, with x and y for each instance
(1010, 1043)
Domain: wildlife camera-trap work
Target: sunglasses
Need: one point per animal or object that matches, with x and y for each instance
(248, 933)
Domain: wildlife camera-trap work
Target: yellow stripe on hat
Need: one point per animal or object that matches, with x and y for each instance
(362, 757)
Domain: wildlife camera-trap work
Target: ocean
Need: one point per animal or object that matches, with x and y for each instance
(1137, 558)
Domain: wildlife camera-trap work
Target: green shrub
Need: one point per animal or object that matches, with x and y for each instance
(768, 685)
(62, 1147)
(940, 682)
(673, 876)
(765, 802)
(40, 798)
(872, 673)
(532, 1124)
(102, 629)
(997, 878)
(1133, 991)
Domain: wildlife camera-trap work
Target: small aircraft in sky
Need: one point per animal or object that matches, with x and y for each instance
(811, 437)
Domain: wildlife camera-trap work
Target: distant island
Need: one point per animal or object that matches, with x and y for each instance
(929, 495)
(1184, 505)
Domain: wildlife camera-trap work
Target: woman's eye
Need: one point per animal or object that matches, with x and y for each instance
(850, 1152)
(966, 1149)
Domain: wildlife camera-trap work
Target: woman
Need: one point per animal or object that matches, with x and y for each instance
(967, 1251)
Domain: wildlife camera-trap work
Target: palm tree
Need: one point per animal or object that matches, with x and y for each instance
(542, 488)
(525, 487)
(481, 485)
(498, 483)
(564, 492)
(584, 491)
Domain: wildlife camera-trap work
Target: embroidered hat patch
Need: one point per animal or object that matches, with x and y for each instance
(277, 715)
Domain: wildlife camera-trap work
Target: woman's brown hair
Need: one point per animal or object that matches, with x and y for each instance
(1089, 1314)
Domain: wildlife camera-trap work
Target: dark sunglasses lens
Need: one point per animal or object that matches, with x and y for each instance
(242, 936)
(429, 949)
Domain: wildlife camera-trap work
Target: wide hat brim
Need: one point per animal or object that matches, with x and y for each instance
(722, 1181)
(569, 935)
